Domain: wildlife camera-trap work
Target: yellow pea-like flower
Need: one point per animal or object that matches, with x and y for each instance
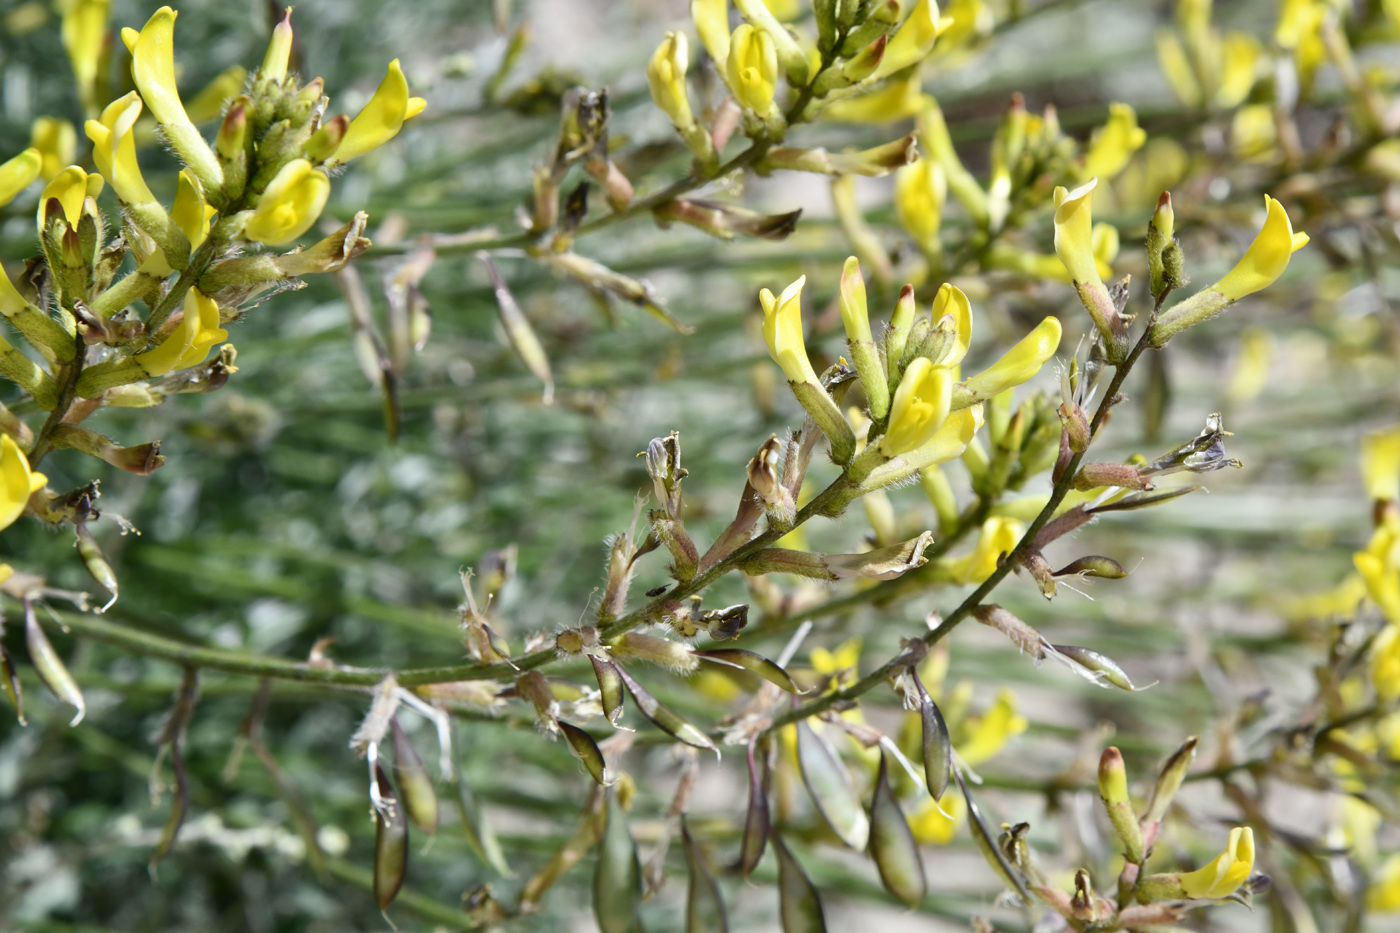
(752, 68)
(1176, 65)
(952, 303)
(1240, 54)
(382, 118)
(1074, 232)
(1114, 143)
(914, 40)
(18, 173)
(57, 143)
(114, 149)
(84, 32)
(846, 657)
(1230, 869)
(935, 822)
(189, 345)
(290, 205)
(1383, 893)
(189, 212)
(782, 329)
(920, 191)
(920, 406)
(711, 18)
(1266, 257)
(997, 726)
(1385, 663)
(1254, 133)
(1380, 463)
(895, 101)
(70, 187)
(1020, 363)
(666, 77)
(1379, 566)
(17, 481)
(153, 69)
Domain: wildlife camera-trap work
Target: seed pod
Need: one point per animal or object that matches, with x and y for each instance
(617, 878)
(1169, 780)
(9, 681)
(829, 785)
(179, 806)
(419, 798)
(1101, 669)
(518, 330)
(610, 686)
(1094, 566)
(586, 750)
(799, 906)
(95, 562)
(476, 825)
(892, 844)
(938, 745)
(756, 826)
(49, 666)
(704, 905)
(1141, 501)
(390, 842)
(754, 663)
(982, 835)
(1076, 426)
(663, 717)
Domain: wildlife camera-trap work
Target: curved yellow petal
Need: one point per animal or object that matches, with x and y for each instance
(114, 149)
(1230, 869)
(17, 481)
(18, 173)
(70, 188)
(1380, 463)
(191, 341)
(381, 119)
(1114, 143)
(153, 69)
(1266, 257)
(952, 302)
(1020, 363)
(752, 68)
(920, 191)
(290, 205)
(1074, 237)
(920, 406)
(782, 330)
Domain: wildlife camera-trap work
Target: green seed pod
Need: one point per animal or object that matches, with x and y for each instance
(1094, 566)
(518, 330)
(95, 562)
(1140, 500)
(586, 750)
(1157, 398)
(892, 845)
(982, 835)
(49, 666)
(1169, 780)
(663, 717)
(799, 906)
(829, 785)
(704, 905)
(9, 682)
(1102, 669)
(754, 663)
(610, 686)
(756, 824)
(419, 798)
(617, 878)
(390, 843)
(938, 746)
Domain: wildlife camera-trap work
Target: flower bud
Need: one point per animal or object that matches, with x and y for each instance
(1169, 780)
(322, 145)
(789, 54)
(228, 142)
(1076, 426)
(915, 38)
(666, 77)
(751, 69)
(711, 18)
(897, 336)
(1122, 475)
(279, 50)
(1113, 789)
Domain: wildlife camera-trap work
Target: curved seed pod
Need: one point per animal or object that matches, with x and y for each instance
(755, 836)
(982, 835)
(1140, 500)
(938, 746)
(1102, 669)
(617, 879)
(586, 750)
(477, 826)
(829, 785)
(663, 717)
(610, 686)
(390, 843)
(892, 844)
(179, 805)
(1094, 566)
(9, 681)
(419, 798)
(754, 663)
(95, 562)
(49, 666)
(704, 905)
(799, 906)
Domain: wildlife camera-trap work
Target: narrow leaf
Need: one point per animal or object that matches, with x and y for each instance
(829, 784)
(1140, 500)
(754, 663)
(704, 905)
(799, 906)
(892, 844)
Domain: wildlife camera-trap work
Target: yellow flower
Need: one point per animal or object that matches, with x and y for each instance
(17, 482)
(752, 68)
(57, 142)
(666, 77)
(1074, 239)
(930, 826)
(84, 32)
(382, 117)
(920, 191)
(1299, 30)
(952, 303)
(919, 408)
(1114, 143)
(844, 661)
(1251, 370)
(895, 101)
(190, 212)
(711, 19)
(998, 536)
(114, 149)
(153, 69)
(1379, 566)
(192, 340)
(987, 734)
(1266, 257)
(70, 187)
(1385, 663)
(1020, 363)
(1231, 868)
(1383, 893)
(290, 205)
(1176, 65)
(914, 40)
(782, 329)
(1254, 133)
(1380, 463)
(18, 173)
(784, 9)
(1240, 54)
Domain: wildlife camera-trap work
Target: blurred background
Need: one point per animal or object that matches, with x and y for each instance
(284, 515)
